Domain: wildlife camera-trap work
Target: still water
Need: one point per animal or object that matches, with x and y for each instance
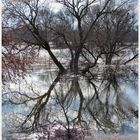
(69, 97)
(38, 82)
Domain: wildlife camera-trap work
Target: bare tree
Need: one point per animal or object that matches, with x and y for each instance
(27, 14)
(95, 33)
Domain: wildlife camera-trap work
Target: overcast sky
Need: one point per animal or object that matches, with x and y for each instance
(56, 6)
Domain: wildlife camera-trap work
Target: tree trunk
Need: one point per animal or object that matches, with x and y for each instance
(58, 64)
(76, 59)
(109, 59)
(74, 63)
(46, 46)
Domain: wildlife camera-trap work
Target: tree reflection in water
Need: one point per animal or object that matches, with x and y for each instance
(95, 66)
(71, 100)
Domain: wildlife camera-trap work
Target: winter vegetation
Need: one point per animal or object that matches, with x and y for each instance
(70, 73)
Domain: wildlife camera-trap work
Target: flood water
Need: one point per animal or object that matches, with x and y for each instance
(69, 99)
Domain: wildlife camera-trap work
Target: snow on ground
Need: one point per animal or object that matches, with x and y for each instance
(36, 136)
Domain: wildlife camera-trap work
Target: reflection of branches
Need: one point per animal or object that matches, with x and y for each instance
(40, 104)
(97, 121)
(65, 108)
(103, 45)
(78, 90)
(79, 116)
(27, 98)
(102, 111)
(95, 106)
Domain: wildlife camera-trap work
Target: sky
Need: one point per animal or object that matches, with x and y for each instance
(56, 7)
